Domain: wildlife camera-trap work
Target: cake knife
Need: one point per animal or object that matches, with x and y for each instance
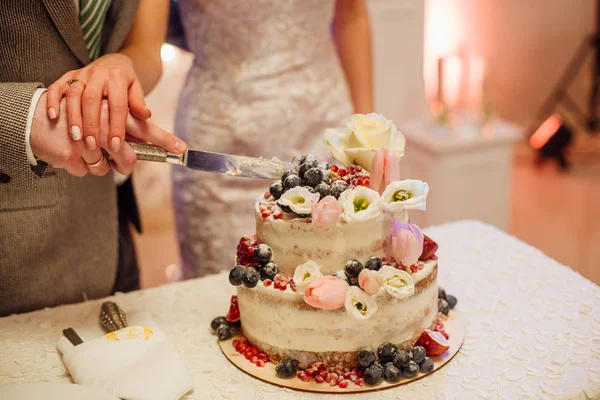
(227, 164)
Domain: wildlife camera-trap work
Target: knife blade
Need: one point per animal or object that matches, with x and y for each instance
(226, 164)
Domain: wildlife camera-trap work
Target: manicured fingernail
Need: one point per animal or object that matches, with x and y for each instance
(115, 144)
(179, 145)
(75, 133)
(52, 113)
(149, 112)
(90, 143)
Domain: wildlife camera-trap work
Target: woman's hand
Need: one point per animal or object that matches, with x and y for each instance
(112, 77)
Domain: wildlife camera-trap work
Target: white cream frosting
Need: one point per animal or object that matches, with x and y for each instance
(281, 324)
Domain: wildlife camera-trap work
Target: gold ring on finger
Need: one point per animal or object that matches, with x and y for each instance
(96, 164)
(73, 80)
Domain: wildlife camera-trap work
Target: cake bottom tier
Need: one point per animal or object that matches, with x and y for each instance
(282, 325)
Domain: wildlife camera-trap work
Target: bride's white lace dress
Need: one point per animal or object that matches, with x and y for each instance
(266, 81)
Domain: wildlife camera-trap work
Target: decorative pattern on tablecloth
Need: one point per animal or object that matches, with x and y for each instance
(532, 329)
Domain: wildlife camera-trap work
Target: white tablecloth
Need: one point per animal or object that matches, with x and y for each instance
(532, 328)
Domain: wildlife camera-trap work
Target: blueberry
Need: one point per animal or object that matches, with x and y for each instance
(303, 168)
(451, 301)
(327, 177)
(338, 187)
(224, 332)
(276, 189)
(373, 374)
(374, 263)
(310, 159)
(236, 274)
(292, 181)
(217, 322)
(269, 271)
(366, 357)
(288, 173)
(402, 358)
(313, 176)
(418, 354)
(426, 365)
(391, 373)
(386, 352)
(411, 370)
(250, 278)
(323, 189)
(263, 253)
(286, 368)
(443, 306)
(324, 165)
(442, 293)
(285, 209)
(353, 268)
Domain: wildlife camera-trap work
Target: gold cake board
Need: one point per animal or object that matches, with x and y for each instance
(454, 326)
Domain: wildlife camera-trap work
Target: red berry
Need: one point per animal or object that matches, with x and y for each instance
(266, 214)
(277, 284)
(302, 376)
(319, 379)
(267, 282)
(342, 172)
(343, 384)
(254, 360)
(254, 350)
(351, 169)
(260, 363)
(360, 382)
(234, 312)
(334, 168)
(312, 371)
(236, 343)
(283, 286)
(324, 374)
(242, 348)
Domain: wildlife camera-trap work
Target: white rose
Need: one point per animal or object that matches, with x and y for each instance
(359, 203)
(397, 283)
(305, 274)
(363, 136)
(299, 199)
(409, 194)
(359, 305)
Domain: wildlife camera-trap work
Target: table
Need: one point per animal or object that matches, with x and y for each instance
(467, 169)
(532, 328)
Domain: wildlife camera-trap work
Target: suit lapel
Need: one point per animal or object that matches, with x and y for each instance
(64, 16)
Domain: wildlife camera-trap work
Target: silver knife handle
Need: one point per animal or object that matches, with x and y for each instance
(149, 152)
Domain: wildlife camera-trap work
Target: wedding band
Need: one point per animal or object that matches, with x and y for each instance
(73, 80)
(97, 163)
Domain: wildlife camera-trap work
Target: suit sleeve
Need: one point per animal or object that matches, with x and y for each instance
(15, 101)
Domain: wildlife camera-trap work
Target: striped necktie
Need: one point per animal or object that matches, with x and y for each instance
(91, 19)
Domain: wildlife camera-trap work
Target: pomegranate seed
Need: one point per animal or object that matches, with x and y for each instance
(293, 285)
(254, 359)
(343, 384)
(277, 284)
(302, 376)
(283, 286)
(319, 379)
(312, 371)
(278, 277)
(333, 381)
(319, 365)
(360, 382)
(260, 363)
(342, 172)
(267, 282)
(262, 207)
(324, 374)
(248, 356)
(254, 351)
(353, 377)
(334, 168)
(278, 216)
(266, 214)
(242, 347)
(351, 169)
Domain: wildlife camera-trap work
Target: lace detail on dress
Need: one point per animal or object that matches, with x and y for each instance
(266, 81)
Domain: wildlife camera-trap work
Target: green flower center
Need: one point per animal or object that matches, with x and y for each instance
(306, 276)
(298, 200)
(360, 204)
(401, 195)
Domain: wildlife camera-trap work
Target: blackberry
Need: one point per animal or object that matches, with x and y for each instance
(276, 189)
(353, 268)
(338, 187)
(323, 189)
(224, 332)
(451, 301)
(402, 358)
(292, 181)
(443, 306)
(263, 253)
(286, 368)
(386, 352)
(217, 322)
(250, 278)
(269, 271)
(374, 264)
(411, 370)
(426, 365)
(418, 354)
(313, 177)
(373, 374)
(236, 274)
(366, 357)
(391, 373)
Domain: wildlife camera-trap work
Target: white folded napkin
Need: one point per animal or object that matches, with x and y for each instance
(135, 363)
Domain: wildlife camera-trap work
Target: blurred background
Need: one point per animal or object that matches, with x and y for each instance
(497, 100)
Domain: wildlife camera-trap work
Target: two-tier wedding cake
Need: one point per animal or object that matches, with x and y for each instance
(336, 275)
